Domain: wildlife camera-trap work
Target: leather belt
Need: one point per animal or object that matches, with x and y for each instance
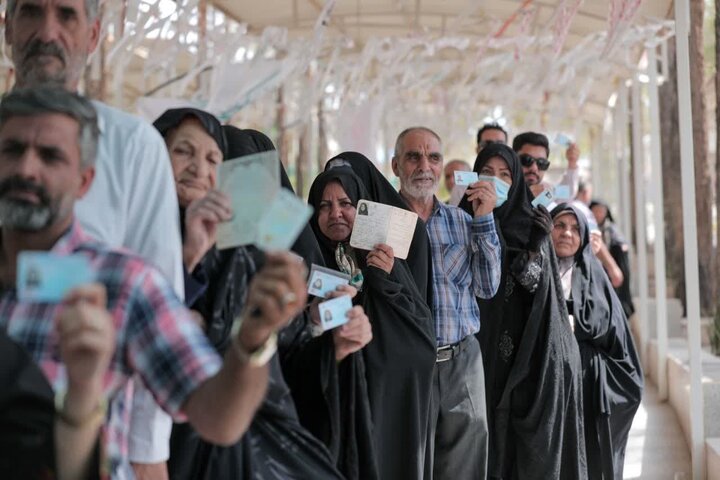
(448, 352)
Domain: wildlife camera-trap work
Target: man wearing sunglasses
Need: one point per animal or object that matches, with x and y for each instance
(533, 149)
(490, 133)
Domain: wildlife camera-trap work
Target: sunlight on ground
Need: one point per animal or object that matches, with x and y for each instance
(635, 445)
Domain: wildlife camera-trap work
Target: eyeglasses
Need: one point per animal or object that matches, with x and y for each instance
(527, 160)
(485, 143)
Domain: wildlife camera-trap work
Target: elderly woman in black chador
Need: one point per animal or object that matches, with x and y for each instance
(275, 446)
(400, 359)
(612, 377)
(532, 363)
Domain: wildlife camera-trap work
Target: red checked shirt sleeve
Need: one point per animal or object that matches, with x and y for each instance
(164, 345)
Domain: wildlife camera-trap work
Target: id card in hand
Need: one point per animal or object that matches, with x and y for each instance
(465, 178)
(545, 198)
(324, 280)
(47, 277)
(333, 313)
(282, 222)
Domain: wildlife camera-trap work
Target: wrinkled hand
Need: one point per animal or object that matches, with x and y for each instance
(277, 293)
(382, 257)
(542, 225)
(87, 337)
(482, 197)
(201, 220)
(354, 335)
(572, 154)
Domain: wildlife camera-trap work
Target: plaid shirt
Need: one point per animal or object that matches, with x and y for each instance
(155, 336)
(466, 264)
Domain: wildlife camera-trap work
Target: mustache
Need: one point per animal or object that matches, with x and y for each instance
(18, 183)
(422, 176)
(38, 47)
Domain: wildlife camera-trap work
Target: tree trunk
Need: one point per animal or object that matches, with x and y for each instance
(717, 127)
(703, 184)
(671, 159)
(671, 183)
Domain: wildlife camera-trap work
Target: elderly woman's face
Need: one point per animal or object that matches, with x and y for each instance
(336, 213)
(195, 157)
(566, 235)
(497, 167)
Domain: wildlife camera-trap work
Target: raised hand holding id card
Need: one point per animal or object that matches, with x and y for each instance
(465, 178)
(545, 198)
(251, 182)
(323, 280)
(333, 313)
(377, 223)
(47, 277)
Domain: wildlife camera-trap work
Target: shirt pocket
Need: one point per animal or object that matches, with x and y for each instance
(456, 264)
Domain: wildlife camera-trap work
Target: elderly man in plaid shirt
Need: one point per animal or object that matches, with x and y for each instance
(466, 264)
(48, 142)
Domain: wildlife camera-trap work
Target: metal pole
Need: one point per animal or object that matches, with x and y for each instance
(692, 278)
(641, 232)
(659, 221)
(624, 161)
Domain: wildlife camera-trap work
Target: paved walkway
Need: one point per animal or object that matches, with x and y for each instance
(656, 449)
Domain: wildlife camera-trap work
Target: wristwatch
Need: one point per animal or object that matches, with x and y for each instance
(258, 357)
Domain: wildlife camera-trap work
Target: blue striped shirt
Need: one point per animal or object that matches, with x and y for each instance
(466, 264)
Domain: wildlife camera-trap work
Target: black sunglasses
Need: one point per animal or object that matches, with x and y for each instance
(527, 160)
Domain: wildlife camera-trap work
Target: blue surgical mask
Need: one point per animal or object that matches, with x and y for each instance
(501, 191)
(501, 188)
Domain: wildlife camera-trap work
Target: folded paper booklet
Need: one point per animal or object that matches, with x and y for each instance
(48, 277)
(264, 213)
(379, 223)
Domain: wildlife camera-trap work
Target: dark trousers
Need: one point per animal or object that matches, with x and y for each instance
(458, 444)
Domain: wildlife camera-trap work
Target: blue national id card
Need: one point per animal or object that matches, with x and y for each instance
(47, 277)
(333, 313)
(563, 140)
(562, 193)
(545, 198)
(324, 280)
(282, 222)
(465, 178)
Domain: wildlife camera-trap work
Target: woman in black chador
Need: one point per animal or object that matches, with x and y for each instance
(400, 359)
(612, 377)
(531, 359)
(275, 446)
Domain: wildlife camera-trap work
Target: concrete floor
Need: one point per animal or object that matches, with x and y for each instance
(656, 448)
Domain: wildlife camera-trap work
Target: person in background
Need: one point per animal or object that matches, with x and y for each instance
(449, 172)
(533, 149)
(466, 264)
(612, 375)
(490, 133)
(532, 365)
(619, 250)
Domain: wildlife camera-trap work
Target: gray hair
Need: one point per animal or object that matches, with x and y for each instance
(91, 8)
(398, 142)
(26, 102)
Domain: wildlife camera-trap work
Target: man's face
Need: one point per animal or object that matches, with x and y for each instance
(533, 175)
(419, 164)
(491, 135)
(40, 171)
(449, 173)
(51, 40)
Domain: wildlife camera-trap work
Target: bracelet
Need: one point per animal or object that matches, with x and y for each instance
(258, 357)
(97, 413)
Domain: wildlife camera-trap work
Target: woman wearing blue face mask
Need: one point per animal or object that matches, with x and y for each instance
(531, 359)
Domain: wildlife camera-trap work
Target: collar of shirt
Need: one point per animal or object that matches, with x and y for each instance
(70, 240)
